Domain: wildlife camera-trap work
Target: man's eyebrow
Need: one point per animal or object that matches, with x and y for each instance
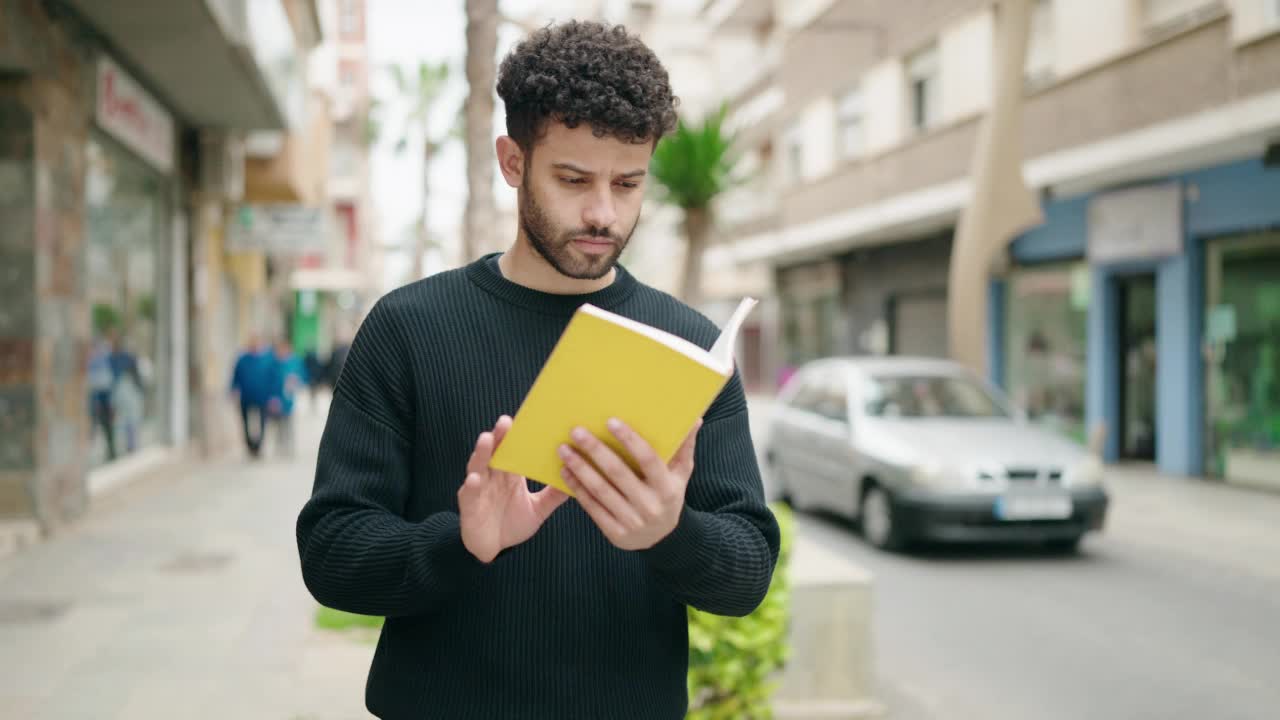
(575, 169)
(572, 168)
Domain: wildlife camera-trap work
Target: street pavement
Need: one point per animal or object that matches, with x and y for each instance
(1172, 612)
(180, 597)
(176, 597)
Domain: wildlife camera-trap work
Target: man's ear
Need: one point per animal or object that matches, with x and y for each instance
(511, 161)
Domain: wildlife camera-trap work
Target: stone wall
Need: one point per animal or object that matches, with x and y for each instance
(44, 320)
(17, 304)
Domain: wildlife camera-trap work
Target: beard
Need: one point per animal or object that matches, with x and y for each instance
(556, 245)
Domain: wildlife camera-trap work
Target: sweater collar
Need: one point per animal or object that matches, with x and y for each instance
(487, 275)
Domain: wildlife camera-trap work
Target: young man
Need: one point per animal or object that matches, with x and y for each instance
(503, 600)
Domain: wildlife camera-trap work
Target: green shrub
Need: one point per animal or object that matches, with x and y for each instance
(330, 619)
(732, 661)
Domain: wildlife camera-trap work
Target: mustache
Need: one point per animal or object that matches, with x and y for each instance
(604, 233)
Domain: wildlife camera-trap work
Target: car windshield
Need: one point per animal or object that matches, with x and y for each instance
(929, 396)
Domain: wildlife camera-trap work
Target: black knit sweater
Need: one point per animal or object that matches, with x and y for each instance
(564, 625)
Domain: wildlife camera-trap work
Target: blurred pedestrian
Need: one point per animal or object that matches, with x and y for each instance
(500, 602)
(101, 382)
(251, 385)
(337, 358)
(128, 392)
(288, 377)
(315, 376)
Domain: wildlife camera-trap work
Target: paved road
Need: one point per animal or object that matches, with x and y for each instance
(1174, 612)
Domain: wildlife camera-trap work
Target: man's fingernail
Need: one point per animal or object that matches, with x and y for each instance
(614, 424)
(579, 434)
(564, 451)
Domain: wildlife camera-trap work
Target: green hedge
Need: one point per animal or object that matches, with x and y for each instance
(733, 661)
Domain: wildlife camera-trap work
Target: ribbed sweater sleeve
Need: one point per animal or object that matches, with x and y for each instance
(358, 553)
(721, 555)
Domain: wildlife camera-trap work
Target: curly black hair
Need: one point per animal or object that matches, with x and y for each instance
(578, 72)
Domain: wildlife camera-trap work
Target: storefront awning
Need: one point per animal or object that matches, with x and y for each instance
(197, 55)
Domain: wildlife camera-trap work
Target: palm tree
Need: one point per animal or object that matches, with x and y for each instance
(422, 89)
(692, 166)
(482, 48)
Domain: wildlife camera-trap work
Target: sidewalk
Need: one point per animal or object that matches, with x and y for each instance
(1220, 525)
(179, 597)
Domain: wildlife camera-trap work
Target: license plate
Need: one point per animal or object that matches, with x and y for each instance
(1033, 507)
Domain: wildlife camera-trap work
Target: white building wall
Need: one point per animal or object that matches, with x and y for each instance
(884, 87)
(818, 130)
(1253, 19)
(1090, 32)
(965, 53)
(798, 13)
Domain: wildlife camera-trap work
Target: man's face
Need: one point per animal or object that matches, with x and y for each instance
(580, 198)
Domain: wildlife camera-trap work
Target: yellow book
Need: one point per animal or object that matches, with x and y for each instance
(607, 366)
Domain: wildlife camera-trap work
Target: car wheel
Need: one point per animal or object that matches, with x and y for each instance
(878, 525)
(1064, 546)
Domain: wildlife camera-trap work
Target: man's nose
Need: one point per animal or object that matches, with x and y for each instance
(600, 212)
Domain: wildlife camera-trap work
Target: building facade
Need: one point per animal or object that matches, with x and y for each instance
(105, 164)
(1138, 314)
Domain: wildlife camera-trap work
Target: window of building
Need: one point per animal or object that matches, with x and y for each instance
(1242, 337)
(127, 371)
(345, 160)
(793, 144)
(850, 116)
(1039, 66)
(1046, 313)
(350, 20)
(924, 88)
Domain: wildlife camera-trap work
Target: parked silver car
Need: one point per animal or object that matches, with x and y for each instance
(922, 449)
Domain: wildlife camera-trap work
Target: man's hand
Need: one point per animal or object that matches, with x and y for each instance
(633, 511)
(496, 508)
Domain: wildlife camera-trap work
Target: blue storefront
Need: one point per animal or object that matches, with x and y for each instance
(1147, 318)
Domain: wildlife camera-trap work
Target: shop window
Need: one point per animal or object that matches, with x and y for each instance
(126, 369)
(1242, 335)
(1046, 315)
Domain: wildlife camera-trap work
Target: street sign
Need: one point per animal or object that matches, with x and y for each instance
(278, 229)
(1140, 223)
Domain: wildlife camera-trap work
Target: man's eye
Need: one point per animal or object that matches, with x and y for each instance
(573, 181)
(628, 185)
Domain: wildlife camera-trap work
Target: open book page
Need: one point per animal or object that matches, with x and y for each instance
(719, 358)
(674, 342)
(722, 351)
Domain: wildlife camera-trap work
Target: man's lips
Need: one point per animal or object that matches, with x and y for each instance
(593, 244)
